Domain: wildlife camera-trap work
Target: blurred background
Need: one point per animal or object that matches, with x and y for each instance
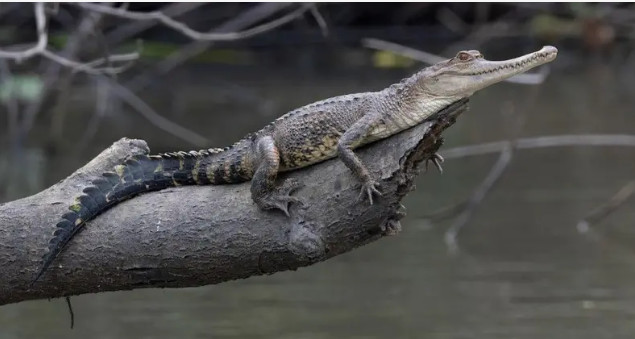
(534, 237)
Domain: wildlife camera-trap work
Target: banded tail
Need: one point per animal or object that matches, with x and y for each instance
(141, 174)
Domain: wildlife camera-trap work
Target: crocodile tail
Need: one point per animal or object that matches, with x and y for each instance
(138, 174)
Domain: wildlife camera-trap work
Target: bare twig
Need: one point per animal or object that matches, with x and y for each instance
(320, 20)
(56, 81)
(529, 143)
(193, 34)
(429, 58)
(446, 212)
(156, 119)
(603, 140)
(126, 31)
(91, 66)
(503, 147)
(409, 52)
(486, 185)
(70, 311)
(245, 19)
(42, 38)
(40, 49)
(607, 208)
(492, 177)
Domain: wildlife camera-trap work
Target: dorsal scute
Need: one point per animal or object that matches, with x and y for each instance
(214, 150)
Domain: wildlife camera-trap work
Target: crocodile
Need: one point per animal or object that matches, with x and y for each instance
(319, 131)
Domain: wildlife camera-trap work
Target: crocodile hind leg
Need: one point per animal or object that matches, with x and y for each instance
(263, 189)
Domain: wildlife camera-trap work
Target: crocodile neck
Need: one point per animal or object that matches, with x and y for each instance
(421, 96)
(415, 105)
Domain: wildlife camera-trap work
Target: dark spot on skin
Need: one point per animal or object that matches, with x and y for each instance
(219, 172)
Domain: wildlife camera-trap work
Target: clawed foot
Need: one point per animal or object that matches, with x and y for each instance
(436, 160)
(281, 197)
(369, 188)
(391, 227)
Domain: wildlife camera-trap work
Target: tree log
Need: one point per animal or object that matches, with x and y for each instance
(200, 235)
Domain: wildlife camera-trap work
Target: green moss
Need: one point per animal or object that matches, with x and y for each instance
(119, 170)
(76, 207)
(159, 168)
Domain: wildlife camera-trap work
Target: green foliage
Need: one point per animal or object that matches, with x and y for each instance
(388, 59)
(21, 87)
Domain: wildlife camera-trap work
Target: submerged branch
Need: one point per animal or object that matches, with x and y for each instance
(475, 199)
(603, 211)
(602, 140)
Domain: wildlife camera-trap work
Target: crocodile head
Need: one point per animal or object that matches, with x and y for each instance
(469, 72)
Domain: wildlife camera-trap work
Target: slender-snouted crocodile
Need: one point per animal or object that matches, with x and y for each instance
(305, 136)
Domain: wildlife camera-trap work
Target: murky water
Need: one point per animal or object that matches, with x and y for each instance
(523, 270)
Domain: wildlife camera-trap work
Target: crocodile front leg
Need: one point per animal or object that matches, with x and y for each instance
(351, 139)
(263, 190)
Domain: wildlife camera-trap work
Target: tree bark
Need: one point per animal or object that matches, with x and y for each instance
(200, 235)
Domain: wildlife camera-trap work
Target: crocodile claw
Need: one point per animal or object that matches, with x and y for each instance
(281, 198)
(369, 188)
(436, 160)
(282, 202)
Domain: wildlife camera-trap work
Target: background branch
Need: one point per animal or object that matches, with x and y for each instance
(599, 140)
(604, 210)
(155, 118)
(191, 50)
(41, 49)
(42, 37)
(468, 208)
(193, 34)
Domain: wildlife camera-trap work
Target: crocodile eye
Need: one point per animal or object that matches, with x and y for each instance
(464, 56)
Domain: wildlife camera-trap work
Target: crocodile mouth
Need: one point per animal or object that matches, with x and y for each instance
(546, 54)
